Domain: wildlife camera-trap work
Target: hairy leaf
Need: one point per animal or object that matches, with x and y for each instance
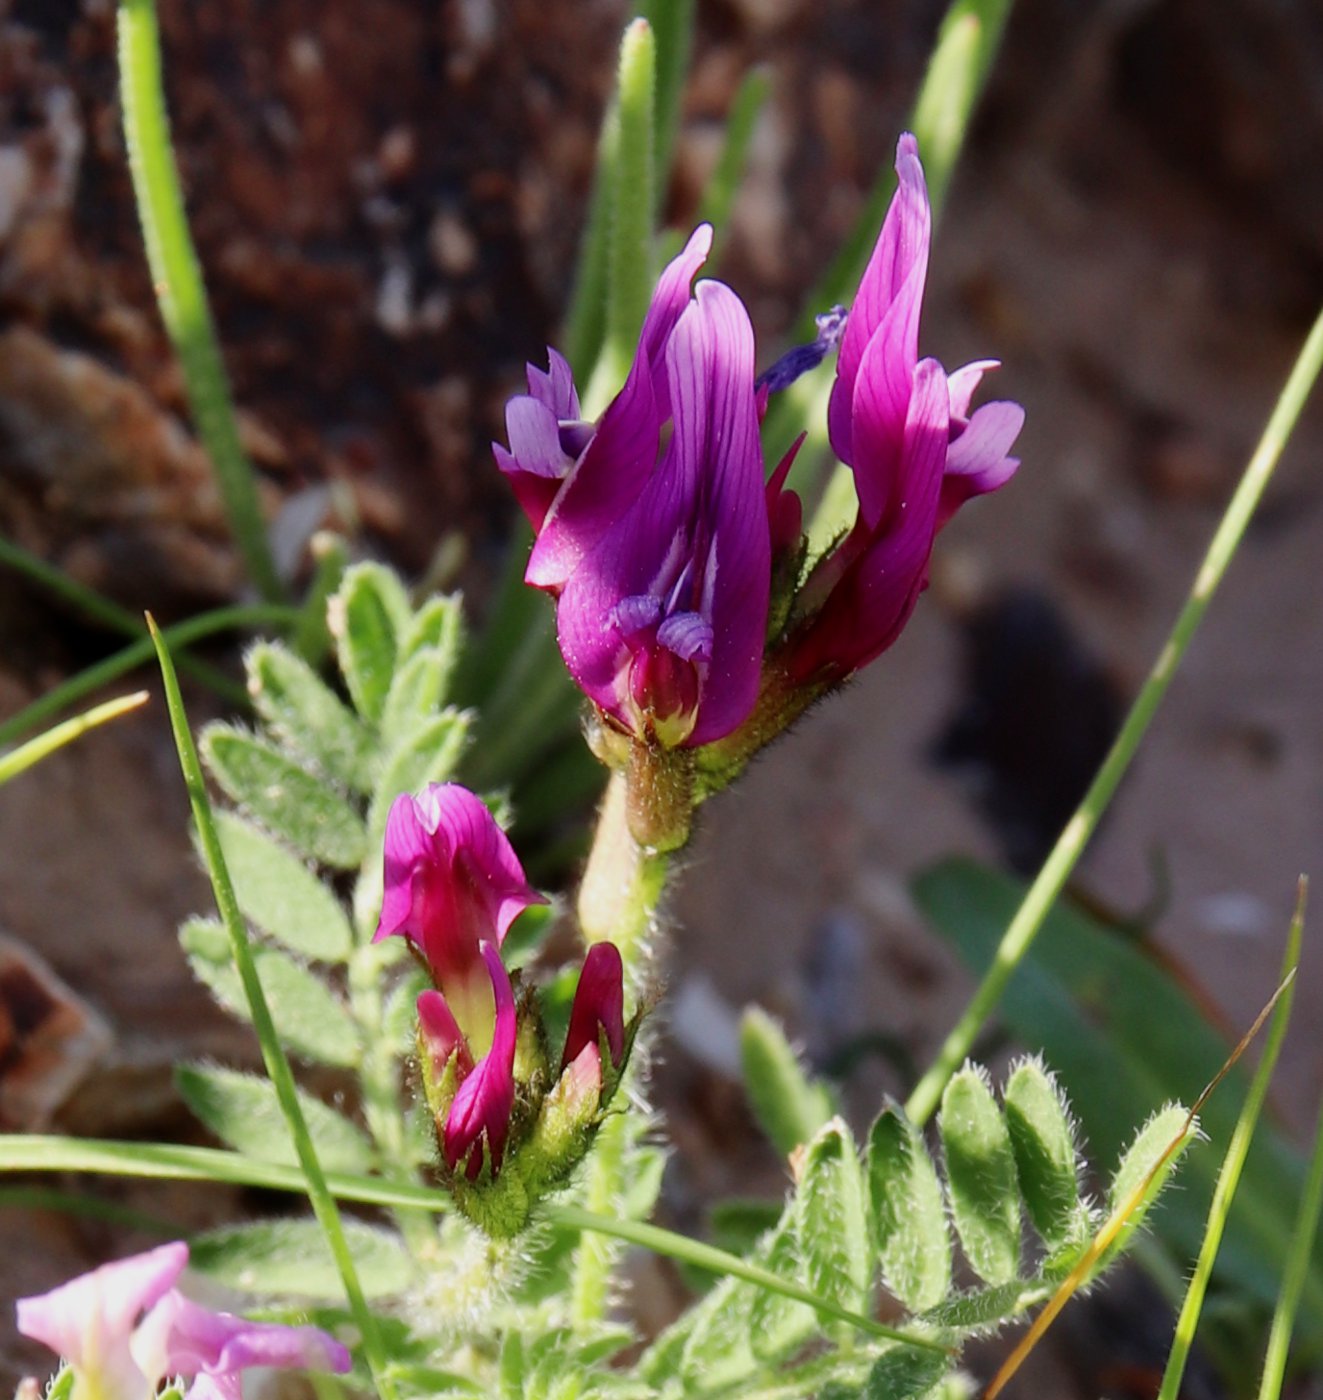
(311, 1019)
(980, 1175)
(280, 895)
(789, 1106)
(367, 617)
(243, 1111)
(833, 1219)
(288, 800)
(1043, 1141)
(909, 1212)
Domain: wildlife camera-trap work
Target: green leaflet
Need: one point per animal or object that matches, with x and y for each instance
(242, 1110)
(1142, 1157)
(980, 1176)
(291, 802)
(789, 1106)
(833, 1219)
(290, 1256)
(280, 895)
(779, 1325)
(367, 618)
(307, 716)
(904, 1373)
(1046, 1160)
(909, 1212)
(311, 1019)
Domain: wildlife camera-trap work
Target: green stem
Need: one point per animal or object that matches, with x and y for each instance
(1232, 1166)
(169, 1162)
(177, 278)
(110, 615)
(273, 1054)
(617, 902)
(139, 654)
(1070, 845)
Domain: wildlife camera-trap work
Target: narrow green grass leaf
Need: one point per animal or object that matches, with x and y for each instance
(273, 1054)
(307, 715)
(980, 1176)
(723, 185)
(673, 24)
(367, 617)
(633, 199)
(909, 1212)
(291, 802)
(291, 1257)
(311, 1020)
(19, 760)
(1232, 1165)
(243, 1111)
(177, 279)
(789, 1106)
(1042, 894)
(280, 895)
(1046, 1158)
(832, 1219)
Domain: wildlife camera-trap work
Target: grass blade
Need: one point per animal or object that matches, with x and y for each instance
(20, 759)
(1070, 845)
(720, 191)
(179, 288)
(273, 1053)
(1232, 1165)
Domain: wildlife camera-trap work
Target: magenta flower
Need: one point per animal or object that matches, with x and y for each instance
(575, 479)
(480, 1111)
(662, 622)
(905, 430)
(598, 1007)
(123, 1328)
(452, 883)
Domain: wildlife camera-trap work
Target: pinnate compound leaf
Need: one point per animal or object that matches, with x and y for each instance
(367, 617)
(291, 1256)
(832, 1219)
(311, 1019)
(243, 1111)
(788, 1105)
(980, 1175)
(1141, 1158)
(280, 895)
(1046, 1159)
(909, 1212)
(905, 1373)
(307, 715)
(299, 807)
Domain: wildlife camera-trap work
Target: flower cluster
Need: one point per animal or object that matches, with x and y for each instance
(508, 1128)
(684, 609)
(125, 1328)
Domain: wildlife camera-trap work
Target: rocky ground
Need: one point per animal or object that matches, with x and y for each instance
(386, 197)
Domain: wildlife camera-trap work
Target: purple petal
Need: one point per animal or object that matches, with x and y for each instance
(977, 461)
(961, 384)
(485, 1099)
(706, 499)
(194, 1341)
(90, 1320)
(882, 402)
(440, 1032)
(554, 386)
(874, 597)
(636, 613)
(608, 477)
(599, 1005)
(688, 635)
(896, 272)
